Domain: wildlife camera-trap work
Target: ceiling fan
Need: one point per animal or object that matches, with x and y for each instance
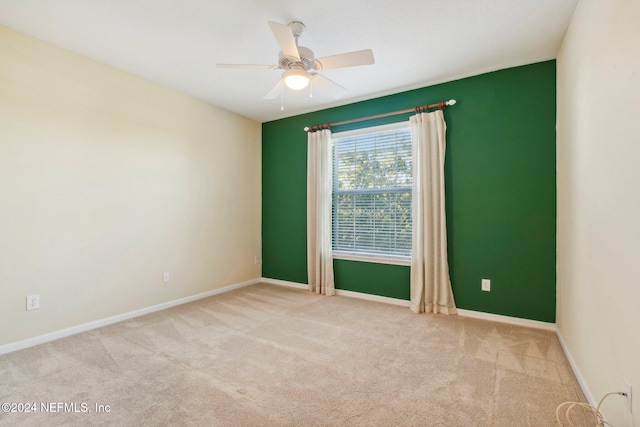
(300, 64)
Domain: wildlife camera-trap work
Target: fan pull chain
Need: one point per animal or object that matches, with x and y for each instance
(282, 98)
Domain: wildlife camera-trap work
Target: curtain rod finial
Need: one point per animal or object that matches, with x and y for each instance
(451, 102)
(306, 129)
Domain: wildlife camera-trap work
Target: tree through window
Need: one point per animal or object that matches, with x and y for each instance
(372, 178)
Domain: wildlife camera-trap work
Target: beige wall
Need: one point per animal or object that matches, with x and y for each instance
(599, 199)
(107, 181)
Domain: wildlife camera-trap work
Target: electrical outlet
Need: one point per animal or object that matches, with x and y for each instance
(33, 302)
(256, 260)
(165, 277)
(486, 285)
(629, 396)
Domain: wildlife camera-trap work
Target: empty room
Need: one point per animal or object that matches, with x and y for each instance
(336, 213)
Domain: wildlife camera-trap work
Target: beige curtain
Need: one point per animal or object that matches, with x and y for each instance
(319, 256)
(430, 283)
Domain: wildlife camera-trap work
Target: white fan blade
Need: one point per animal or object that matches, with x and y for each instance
(276, 91)
(350, 59)
(285, 39)
(326, 85)
(254, 66)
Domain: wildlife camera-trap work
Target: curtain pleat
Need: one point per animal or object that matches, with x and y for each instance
(319, 247)
(430, 282)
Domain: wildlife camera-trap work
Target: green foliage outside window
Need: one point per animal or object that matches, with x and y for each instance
(372, 193)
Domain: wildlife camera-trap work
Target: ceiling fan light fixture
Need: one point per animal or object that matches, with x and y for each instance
(296, 79)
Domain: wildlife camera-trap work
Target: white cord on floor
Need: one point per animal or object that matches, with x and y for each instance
(599, 418)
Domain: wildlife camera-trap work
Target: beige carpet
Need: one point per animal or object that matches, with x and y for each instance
(272, 356)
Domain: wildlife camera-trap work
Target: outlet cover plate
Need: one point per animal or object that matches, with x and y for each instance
(33, 302)
(166, 277)
(486, 285)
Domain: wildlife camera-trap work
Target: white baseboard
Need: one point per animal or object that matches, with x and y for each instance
(41, 339)
(581, 380)
(370, 297)
(340, 292)
(285, 283)
(404, 303)
(507, 319)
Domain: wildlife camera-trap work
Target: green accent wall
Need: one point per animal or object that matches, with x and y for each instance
(500, 178)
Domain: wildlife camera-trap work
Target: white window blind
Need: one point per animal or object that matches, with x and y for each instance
(372, 177)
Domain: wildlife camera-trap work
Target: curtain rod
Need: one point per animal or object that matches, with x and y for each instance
(443, 105)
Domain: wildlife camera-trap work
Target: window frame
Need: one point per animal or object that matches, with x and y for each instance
(359, 256)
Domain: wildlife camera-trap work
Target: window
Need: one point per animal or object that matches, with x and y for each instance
(372, 178)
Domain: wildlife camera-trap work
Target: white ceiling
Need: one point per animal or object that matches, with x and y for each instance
(416, 43)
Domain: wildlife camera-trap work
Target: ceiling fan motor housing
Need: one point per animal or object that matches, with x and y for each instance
(307, 60)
